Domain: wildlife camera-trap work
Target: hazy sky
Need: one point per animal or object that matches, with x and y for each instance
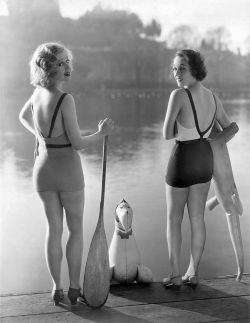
(204, 14)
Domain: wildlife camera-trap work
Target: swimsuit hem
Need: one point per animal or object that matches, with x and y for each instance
(185, 186)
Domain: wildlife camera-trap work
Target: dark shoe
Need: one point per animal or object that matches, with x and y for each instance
(74, 294)
(190, 280)
(174, 282)
(57, 296)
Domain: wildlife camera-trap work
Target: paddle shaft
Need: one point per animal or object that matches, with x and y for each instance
(104, 162)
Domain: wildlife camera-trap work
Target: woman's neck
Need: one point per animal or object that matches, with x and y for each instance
(194, 86)
(56, 87)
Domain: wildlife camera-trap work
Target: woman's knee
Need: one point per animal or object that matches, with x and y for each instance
(197, 224)
(55, 229)
(75, 222)
(174, 218)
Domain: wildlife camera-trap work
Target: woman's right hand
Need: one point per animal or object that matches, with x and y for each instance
(106, 126)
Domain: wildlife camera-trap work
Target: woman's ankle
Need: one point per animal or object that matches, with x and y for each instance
(74, 285)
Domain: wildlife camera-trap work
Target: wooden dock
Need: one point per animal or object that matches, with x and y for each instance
(214, 300)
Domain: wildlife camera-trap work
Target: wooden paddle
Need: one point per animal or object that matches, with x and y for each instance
(97, 274)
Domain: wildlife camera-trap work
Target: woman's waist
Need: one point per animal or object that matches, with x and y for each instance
(188, 134)
(191, 141)
(54, 141)
(55, 151)
(183, 138)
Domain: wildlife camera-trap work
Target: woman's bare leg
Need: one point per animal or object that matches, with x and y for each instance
(176, 199)
(73, 203)
(196, 205)
(54, 213)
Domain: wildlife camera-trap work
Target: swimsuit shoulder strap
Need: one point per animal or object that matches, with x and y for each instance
(212, 122)
(55, 113)
(194, 111)
(201, 133)
(215, 103)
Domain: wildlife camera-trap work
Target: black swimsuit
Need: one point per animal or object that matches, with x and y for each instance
(191, 161)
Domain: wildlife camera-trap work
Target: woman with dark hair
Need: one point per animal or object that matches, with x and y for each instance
(191, 112)
(50, 115)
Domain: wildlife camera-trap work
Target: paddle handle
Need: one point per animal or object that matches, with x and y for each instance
(212, 203)
(104, 162)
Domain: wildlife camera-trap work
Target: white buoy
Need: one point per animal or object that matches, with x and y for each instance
(124, 256)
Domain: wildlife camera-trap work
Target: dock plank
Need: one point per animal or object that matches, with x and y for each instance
(215, 300)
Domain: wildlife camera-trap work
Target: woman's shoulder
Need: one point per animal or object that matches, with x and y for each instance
(210, 92)
(68, 103)
(68, 99)
(215, 97)
(178, 94)
(178, 91)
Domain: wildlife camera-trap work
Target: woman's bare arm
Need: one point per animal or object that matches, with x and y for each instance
(72, 127)
(169, 126)
(25, 117)
(221, 115)
(229, 128)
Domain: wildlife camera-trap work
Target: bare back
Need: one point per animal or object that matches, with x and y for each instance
(44, 103)
(204, 105)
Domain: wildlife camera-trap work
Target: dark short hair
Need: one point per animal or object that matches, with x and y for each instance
(195, 61)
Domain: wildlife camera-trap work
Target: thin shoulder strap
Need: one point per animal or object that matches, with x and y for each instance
(212, 122)
(55, 114)
(194, 111)
(215, 104)
(201, 133)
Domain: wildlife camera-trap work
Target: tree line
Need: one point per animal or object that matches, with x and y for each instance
(113, 48)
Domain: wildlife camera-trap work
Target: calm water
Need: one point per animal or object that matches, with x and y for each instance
(137, 158)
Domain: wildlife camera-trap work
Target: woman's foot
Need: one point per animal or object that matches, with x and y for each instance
(174, 282)
(74, 294)
(57, 296)
(190, 280)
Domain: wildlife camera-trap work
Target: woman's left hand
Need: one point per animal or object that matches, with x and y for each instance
(106, 126)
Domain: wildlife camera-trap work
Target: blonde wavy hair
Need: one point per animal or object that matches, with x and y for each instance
(43, 62)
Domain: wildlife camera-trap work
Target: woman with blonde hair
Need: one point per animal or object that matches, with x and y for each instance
(50, 114)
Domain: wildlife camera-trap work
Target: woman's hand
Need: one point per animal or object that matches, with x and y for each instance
(224, 135)
(106, 126)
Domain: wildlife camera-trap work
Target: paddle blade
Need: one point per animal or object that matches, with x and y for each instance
(97, 273)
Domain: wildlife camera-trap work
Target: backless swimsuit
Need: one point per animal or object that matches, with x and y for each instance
(57, 164)
(191, 161)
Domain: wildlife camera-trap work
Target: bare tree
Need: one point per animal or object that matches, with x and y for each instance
(218, 38)
(246, 45)
(183, 36)
(153, 29)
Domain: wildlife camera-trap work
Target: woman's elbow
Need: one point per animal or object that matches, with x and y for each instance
(21, 117)
(77, 146)
(166, 135)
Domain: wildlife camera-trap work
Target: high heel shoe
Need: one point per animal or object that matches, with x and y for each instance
(74, 294)
(190, 280)
(174, 282)
(57, 296)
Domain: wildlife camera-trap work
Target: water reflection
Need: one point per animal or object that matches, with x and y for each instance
(137, 157)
